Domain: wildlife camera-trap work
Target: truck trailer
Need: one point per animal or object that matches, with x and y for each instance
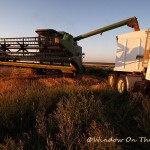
(132, 63)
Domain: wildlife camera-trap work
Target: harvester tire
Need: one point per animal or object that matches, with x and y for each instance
(38, 71)
(121, 85)
(83, 69)
(112, 80)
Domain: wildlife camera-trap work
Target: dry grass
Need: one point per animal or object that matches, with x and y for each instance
(62, 113)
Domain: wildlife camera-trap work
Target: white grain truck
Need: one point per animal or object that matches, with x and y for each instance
(132, 65)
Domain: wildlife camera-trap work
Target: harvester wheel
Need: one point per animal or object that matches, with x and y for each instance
(38, 71)
(112, 80)
(121, 85)
(70, 75)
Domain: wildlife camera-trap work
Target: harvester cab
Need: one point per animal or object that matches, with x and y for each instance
(47, 37)
(67, 49)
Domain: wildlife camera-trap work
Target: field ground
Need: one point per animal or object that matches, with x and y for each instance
(41, 112)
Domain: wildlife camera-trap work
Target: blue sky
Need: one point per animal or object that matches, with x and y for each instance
(22, 17)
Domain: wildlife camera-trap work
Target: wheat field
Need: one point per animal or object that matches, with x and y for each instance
(57, 113)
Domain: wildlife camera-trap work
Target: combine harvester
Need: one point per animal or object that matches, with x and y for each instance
(51, 51)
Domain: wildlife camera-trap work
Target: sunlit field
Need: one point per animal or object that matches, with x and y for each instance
(58, 113)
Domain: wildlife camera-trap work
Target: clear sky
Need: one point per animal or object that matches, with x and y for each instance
(22, 17)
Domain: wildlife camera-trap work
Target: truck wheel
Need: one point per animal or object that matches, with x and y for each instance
(112, 80)
(121, 85)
